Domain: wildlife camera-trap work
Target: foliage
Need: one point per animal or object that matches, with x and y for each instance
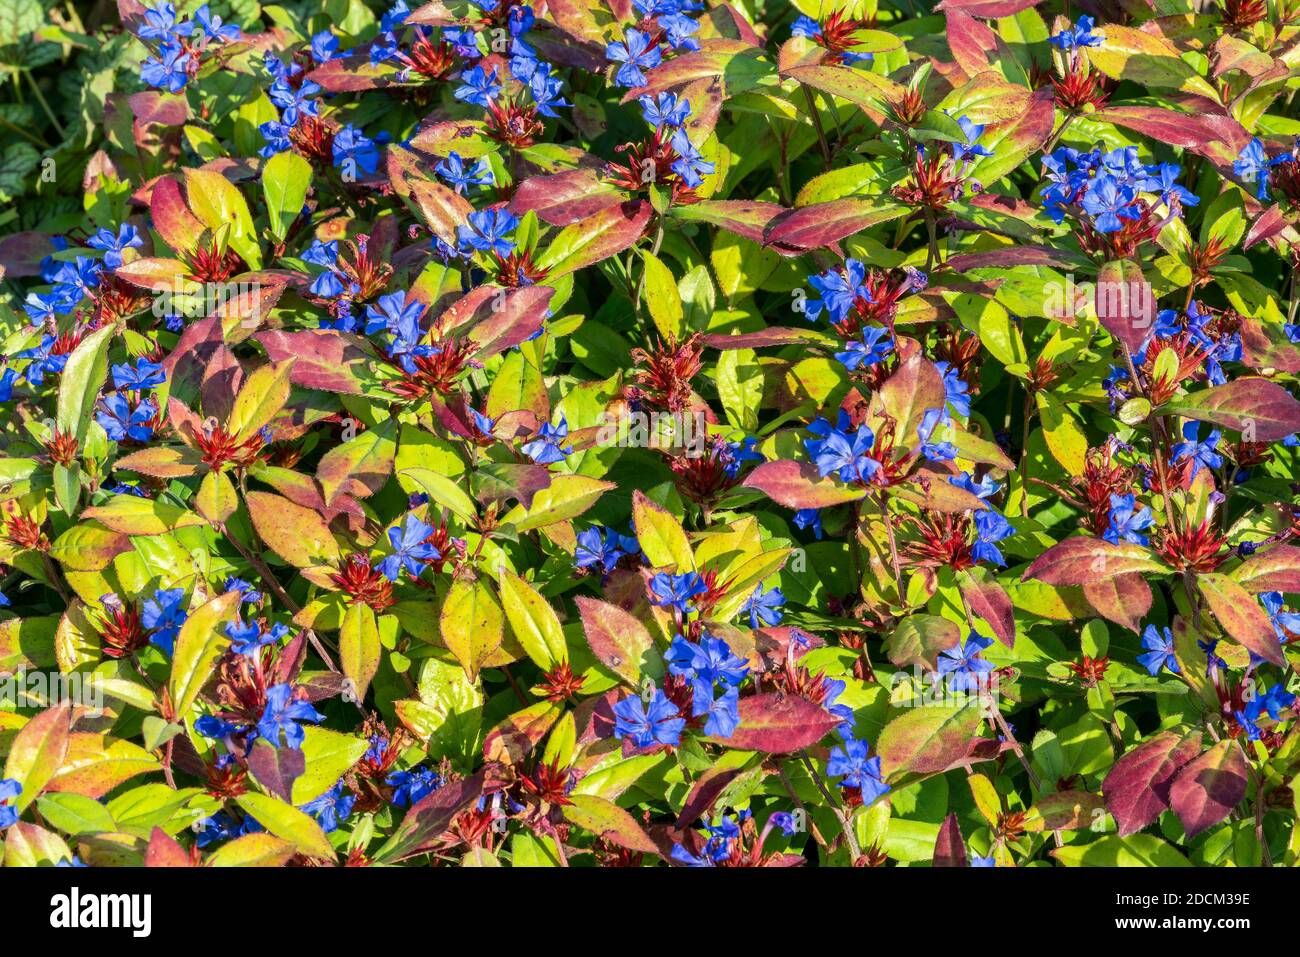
(631, 432)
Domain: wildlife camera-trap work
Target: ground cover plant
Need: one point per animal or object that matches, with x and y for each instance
(649, 433)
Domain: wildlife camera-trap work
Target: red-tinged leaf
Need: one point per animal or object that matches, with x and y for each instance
(970, 41)
(1137, 788)
(949, 848)
(1124, 599)
(733, 63)
(171, 215)
(988, 600)
(21, 254)
(276, 768)
(595, 238)
(771, 336)
(919, 639)
(932, 490)
(706, 789)
(298, 535)
(778, 724)
(511, 741)
(823, 224)
(152, 274)
(618, 640)
(926, 740)
(497, 318)
(165, 851)
(1277, 569)
(913, 389)
(1262, 410)
(1268, 225)
(1064, 811)
(1266, 346)
(1207, 789)
(747, 218)
(328, 360)
(442, 209)
(562, 199)
(430, 817)
(1125, 304)
(609, 822)
(161, 462)
(1170, 126)
(352, 74)
(872, 92)
(797, 485)
(1076, 561)
(1240, 615)
(38, 751)
(1006, 256)
(989, 9)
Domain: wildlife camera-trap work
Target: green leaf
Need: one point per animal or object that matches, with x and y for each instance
(285, 181)
(663, 300)
(532, 621)
(198, 646)
(473, 625)
(287, 823)
(359, 648)
(81, 381)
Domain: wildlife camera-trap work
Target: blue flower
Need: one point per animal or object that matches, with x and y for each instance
(850, 762)
(392, 313)
(213, 28)
(676, 591)
(122, 422)
(487, 231)
(956, 392)
(163, 614)
(547, 448)
(248, 639)
(250, 595)
(1160, 653)
(282, 713)
(221, 826)
(114, 245)
(970, 149)
(722, 711)
(545, 90)
(679, 30)
(706, 662)
(411, 551)
(990, 861)
(7, 379)
(454, 171)
(44, 362)
(331, 808)
(1108, 201)
(963, 665)
(845, 454)
(410, 787)
(805, 26)
(1126, 522)
(9, 789)
(984, 489)
(143, 375)
(764, 607)
(664, 109)
(657, 722)
(783, 820)
(690, 164)
(353, 150)
(1285, 623)
(840, 290)
(324, 46)
(160, 24)
(1080, 35)
(294, 102)
(1252, 165)
(807, 518)
(876, 345)
(934, 451)
(478, 87)
(1174, 196)
(990, 527)
(1202, 454)
(602, 547)
(637, 54)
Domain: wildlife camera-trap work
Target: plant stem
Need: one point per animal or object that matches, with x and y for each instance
(817, 122)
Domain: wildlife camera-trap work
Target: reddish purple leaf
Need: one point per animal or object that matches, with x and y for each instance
(1277, 569)
(797, 485)
(1076, 561)
(1124, 599)
(564, 198)
(949, 848)
(988, 600)
(1207, 789)
(812, 227)
(778, 724)
(1261, 409)
(329, 360)
(1137, 788)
